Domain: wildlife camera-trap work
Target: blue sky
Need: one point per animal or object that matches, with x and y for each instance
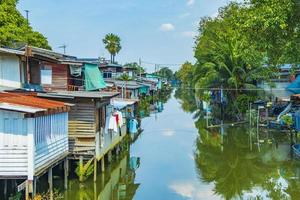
(159, 31)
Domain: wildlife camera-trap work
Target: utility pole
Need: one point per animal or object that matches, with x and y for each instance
(27, 16)
(140, 64)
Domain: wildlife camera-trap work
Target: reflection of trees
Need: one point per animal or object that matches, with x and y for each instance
(235, 169)
(188, 101)
(235, 164)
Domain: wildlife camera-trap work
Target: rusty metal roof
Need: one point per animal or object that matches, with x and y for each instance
(32, 104)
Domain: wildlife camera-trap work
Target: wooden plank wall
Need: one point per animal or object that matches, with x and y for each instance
(60, 76)
(82, 128)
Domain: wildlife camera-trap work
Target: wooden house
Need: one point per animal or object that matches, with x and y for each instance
(33, 135)
(87, 121)
(127, 89)
(111, 70)
(51, 71)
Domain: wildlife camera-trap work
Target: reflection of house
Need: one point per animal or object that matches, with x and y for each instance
(121, 184)
(33, 135)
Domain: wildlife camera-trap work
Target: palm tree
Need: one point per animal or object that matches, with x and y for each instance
(112, 44)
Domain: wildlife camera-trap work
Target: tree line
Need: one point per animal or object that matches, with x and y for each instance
(244, 45)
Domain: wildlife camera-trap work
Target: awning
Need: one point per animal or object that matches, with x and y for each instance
(93, 78)
(122, 103)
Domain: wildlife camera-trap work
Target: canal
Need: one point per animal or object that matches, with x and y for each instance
(178, 157)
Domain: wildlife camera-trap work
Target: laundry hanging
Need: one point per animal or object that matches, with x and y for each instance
(75, 70)
(112, 123)
(133, 126)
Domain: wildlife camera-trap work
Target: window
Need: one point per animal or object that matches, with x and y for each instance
(46, 75)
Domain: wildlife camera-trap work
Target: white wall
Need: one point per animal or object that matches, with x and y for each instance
(10, 71)
(51, 138)
(13, 144)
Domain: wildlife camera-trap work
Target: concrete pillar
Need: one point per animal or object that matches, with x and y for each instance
(50, 182)
(66, 173)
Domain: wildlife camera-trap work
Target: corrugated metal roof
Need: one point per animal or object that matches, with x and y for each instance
(28, 103)
(79, 94)
(12, 51)
(20, 108)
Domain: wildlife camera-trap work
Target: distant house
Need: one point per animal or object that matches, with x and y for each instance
(33, 135)
(130, 71)
(111, 70)
(279, 85)
(127, 89)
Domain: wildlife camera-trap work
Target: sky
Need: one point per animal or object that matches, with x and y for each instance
(157, 31)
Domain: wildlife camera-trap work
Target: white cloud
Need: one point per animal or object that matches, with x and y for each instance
(190, 2)
(167, 27)
(184, 15)
(193, 191)
(190, 34)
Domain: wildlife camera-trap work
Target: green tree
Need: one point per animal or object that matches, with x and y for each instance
(166, 73)
(112, 44)
(185, 73)
(15, 31)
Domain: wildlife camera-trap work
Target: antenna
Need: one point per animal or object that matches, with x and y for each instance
(64, 47)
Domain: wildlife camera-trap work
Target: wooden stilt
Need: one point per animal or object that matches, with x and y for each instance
(34, 187)
(27, 191)
(95, 191)
(102, 165)
(109, 156)
(66, 173)
(50, 182)
(81, 167)
(95, 169)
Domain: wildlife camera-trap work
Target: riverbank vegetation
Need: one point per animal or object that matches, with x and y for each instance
(244, 45)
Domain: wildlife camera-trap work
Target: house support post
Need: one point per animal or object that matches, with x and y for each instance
(81, 167)
(50, 182)
(102, 165)
(95, 169)
(66, 173)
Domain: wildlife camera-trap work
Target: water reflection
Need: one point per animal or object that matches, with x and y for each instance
(240, 163)
(117, 183)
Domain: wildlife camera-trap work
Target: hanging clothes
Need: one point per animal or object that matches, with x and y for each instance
(112, 124)
(75, 70)
(133, 126)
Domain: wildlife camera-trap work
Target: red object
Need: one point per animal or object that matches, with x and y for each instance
(117, 118)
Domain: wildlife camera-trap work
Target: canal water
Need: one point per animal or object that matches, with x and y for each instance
(177, 157)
